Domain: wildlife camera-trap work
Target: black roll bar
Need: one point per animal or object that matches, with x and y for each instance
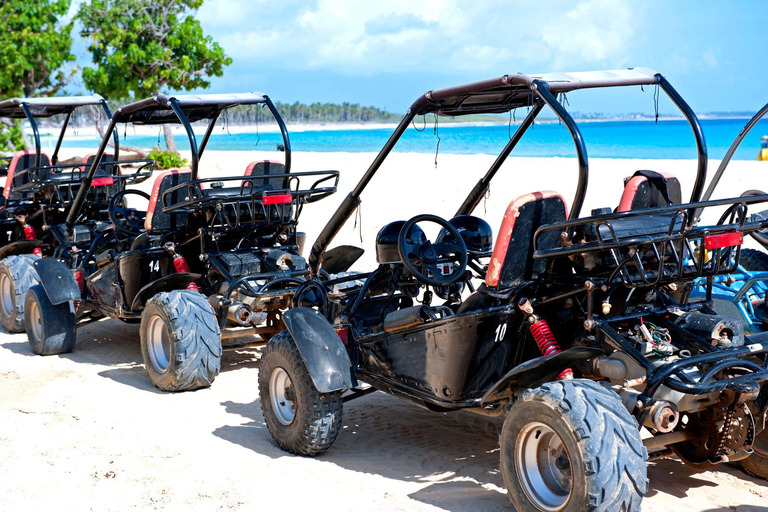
(77, 204)
(729, 155)
(538, 87)
(473, 199)
(698, 133)
(35, 131)
(283, 132)
(55, 157)
(542, 88)
(352, 200)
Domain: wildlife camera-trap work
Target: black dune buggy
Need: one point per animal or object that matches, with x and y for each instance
(37, 193)
(206, 259)
(580, 334)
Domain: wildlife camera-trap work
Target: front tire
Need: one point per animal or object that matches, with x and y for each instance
(300, 419)
(571, 446)
(51, 328)
(180, 341)
(17, 275)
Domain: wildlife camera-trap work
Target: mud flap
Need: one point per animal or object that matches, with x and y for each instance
(321, 349)
(542, 369)
(57, 280)
(164, 284)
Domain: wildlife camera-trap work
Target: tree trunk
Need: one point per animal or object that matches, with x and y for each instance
(169, 142)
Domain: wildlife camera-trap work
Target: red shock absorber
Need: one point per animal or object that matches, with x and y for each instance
(183, 268)
(29, 234)
(543, 336)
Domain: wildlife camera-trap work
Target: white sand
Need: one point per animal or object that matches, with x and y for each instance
(88, 431)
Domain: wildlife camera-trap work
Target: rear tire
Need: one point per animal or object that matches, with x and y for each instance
(754, 260)
(571, 446)
(17, 275)
(180, 341)
(52, 328)
(301, 419)
(756, 465)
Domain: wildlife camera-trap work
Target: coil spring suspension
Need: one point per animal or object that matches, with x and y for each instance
(183, 268)
(543, 336)
(29, 234)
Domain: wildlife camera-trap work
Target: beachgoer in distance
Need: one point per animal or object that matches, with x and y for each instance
(763, 154)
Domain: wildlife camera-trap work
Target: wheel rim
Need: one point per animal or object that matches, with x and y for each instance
(35, 320)
(158, 344)
(281, 396)
(543, 467)
(6, 294)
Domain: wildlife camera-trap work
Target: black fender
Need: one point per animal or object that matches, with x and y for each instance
(58, 281)
(540, 370)
(20, 247)
(164, 284)
(324, 354)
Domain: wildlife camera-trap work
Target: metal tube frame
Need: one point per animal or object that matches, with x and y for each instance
(729, 155)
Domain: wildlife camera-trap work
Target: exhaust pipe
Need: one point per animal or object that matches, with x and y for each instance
(239, 314)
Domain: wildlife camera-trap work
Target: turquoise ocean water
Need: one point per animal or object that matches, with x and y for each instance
(607, 139)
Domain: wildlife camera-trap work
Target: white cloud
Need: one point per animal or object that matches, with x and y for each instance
(358, 37)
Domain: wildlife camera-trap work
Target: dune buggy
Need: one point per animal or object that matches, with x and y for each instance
(208, 258)
(580, 333)
(37, 192)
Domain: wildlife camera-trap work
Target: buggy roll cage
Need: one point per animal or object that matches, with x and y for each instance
(184, 110)
(33, 108)
(500, 95)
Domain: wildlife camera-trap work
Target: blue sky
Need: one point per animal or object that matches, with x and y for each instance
(387, 53)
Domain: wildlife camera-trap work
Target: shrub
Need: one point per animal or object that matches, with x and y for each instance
(167, 159)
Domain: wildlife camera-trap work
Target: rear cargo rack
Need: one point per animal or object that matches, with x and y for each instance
(653, 246)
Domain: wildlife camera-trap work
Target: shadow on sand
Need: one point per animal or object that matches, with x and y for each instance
(116, 344)
(457, 453)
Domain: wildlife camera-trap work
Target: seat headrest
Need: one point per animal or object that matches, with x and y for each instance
(156, 219)
(512, 258)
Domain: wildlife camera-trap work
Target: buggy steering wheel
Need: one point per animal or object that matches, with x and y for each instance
(425, 260)
(127, 220)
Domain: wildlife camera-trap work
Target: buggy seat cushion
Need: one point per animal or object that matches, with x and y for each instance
(104, 173)
(512, 258)
(156, 219)
(22, 160)
(641, 192)
(266, 168)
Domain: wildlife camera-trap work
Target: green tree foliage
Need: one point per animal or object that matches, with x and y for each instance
(313, 113)
(34, 51)
(141, 47)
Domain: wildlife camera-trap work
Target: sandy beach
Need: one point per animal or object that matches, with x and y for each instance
(88, 431)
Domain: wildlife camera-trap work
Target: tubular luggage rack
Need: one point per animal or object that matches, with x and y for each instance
(250, 201)
(69, 176)
(651, 247)
(670, 254)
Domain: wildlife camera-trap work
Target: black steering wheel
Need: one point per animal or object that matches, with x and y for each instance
(127, 220)
(425, 260)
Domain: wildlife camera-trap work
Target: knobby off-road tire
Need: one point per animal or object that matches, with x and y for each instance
(17, 275)
(754, 260)
(301, 419)
(51, 329)
(180, 341)
(756, 464)
(572, 446)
